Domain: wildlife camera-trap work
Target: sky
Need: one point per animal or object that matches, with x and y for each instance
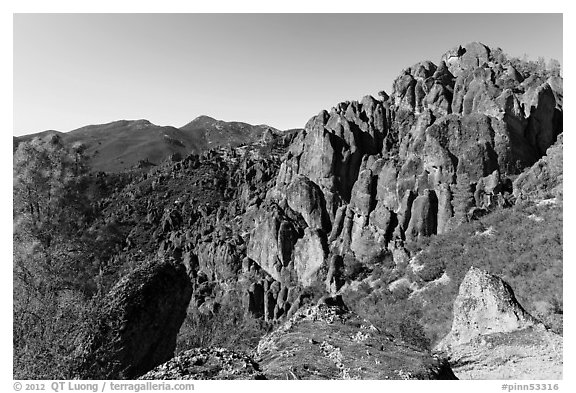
(71, 70)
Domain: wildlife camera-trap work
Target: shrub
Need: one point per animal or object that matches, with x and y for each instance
(229, 327)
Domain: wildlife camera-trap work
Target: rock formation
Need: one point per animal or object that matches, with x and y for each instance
(327, 341)
(207, 363)
(369, 175)
(545, 177)
(135, 327)
(355, 189)
(485, 305)
(493, 337)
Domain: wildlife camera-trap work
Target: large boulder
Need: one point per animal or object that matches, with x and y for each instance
(493, 337)
(135, 327)
(485, 305)
(460, 60)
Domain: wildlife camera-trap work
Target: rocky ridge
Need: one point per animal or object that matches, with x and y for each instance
(368, 176)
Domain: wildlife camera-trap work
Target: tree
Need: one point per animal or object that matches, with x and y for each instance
(49, 181)
(554, 67)
(52, 278)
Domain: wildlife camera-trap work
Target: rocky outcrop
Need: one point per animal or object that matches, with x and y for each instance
(272, 243)
(207, 363)
(542, 129)
(461, 59)
(324, 341)
(327, 341)
(485, 305)
(135, 327)
(305, 197)
(545, 178)
(493, 337)
(309, 257)
(423, 216)
(436, 152)
(321, 208)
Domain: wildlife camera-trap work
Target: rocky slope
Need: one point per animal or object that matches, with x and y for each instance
(325, 341)
(207, 363)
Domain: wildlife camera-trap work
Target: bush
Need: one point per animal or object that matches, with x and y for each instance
(354, 269)
(229, 327)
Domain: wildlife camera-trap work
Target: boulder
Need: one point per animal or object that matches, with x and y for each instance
(134, 328)
(485, 305)
(493, 337)
(471, 56)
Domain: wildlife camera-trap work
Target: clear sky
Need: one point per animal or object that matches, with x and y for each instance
(72, 70)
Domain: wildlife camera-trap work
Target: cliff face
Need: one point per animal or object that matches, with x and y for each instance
(440, 150)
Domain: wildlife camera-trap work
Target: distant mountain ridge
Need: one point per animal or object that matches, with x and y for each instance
(122, 144)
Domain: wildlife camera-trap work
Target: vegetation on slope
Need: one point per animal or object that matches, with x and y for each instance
(522, 244)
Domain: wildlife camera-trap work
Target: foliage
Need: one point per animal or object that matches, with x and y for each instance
(522, 245)
(53, 278)
(536, 69)
(229, 326)
(393, 312)
(353, 268)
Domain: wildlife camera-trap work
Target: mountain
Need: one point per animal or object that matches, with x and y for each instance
(213, 133)
(367, 238)
(121, 145)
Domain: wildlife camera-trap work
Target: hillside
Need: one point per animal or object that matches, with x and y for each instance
(122, 145)
(318, 253)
